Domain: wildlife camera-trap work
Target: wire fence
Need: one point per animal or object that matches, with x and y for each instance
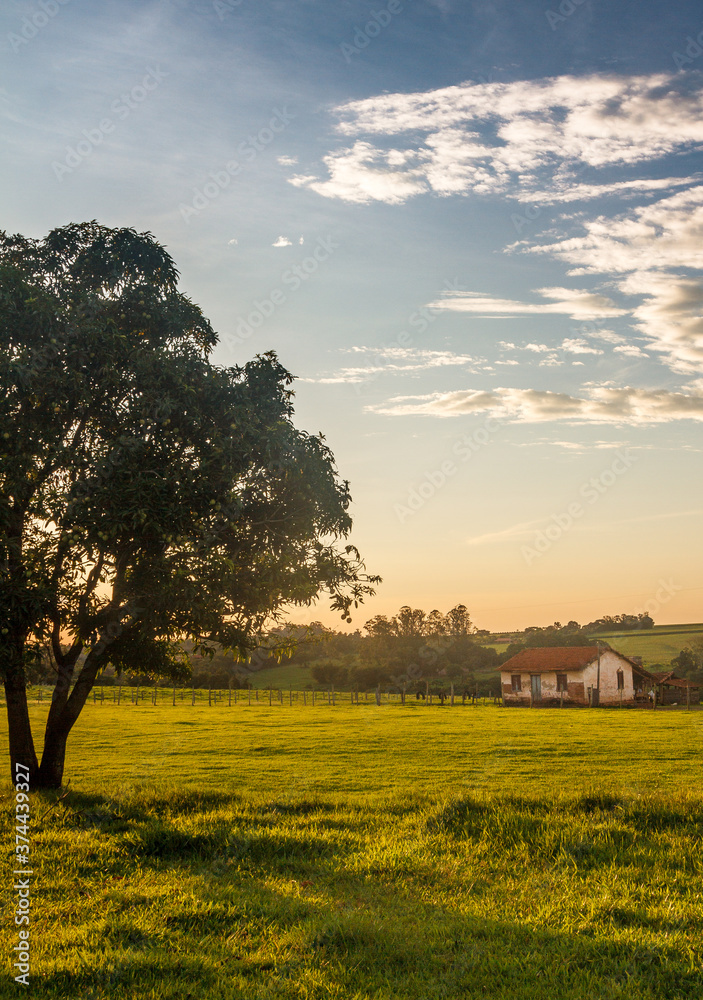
(123, 694)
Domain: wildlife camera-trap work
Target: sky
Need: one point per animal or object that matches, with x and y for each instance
(471, 230)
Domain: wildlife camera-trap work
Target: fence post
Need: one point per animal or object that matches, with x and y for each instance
(452, 693)
(402, 696)
(333, 694)
(270, 695)
(193, 696)
(378, 694)
(174, 695)
(249, 689)
(229, 695)
(305, 697)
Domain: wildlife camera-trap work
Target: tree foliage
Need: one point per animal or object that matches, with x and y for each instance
(146, 495)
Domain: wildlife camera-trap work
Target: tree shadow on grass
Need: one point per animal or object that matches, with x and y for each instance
(275, 944)
(276, 907)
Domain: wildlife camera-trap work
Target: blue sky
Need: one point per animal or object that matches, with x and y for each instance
(472, 230)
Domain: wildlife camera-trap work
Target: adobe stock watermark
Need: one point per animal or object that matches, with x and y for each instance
(531, 213)
(419, 321)
(224, 7)
(435, 480)
(122, 108)
(247, 152)
(693, 50)
(292, 279)
(591, 492)
(363, 37)
(667, 590)
(23, 874)
(33, 24)
(564, 11)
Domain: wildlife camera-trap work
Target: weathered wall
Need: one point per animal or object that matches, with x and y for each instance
(550, 695)
(609, 666)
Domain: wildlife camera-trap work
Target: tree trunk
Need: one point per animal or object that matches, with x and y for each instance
(63, 713)
(20, 731)
(54, 756)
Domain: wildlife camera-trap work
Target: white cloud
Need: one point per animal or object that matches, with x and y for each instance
(526, 528)
(609, 336)
(663, 234)
(579, 346)
(567, 301)
(232, 243)
(288, 161)
(363, 174)
(550, 141)
(644, 250)
(396, 360)
(282, 241)
(630, 350)
(599, 405)
(622, 189)
(502, 137)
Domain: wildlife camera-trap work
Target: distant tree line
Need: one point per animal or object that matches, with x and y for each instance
(574, 634)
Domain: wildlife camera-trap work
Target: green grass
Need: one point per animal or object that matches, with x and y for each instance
(363, 852)
(659, 645)
(285, 675)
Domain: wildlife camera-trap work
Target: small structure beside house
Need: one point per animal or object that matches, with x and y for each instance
(568, 675)
(673, 690)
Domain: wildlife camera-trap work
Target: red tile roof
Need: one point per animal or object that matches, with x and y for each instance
(669, 679)
(550, 658)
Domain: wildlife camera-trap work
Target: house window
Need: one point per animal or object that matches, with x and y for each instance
(516, 681)
(562, 684)
(621, 680)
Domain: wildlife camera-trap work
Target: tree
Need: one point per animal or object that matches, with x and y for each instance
(459, 621)
(147, 497)
(329, 673)
(409, 622)
(689, 662)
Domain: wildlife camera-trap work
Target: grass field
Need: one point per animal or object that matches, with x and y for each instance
(658, 645)
(363, 852)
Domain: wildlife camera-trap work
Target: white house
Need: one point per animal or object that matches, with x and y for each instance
(569, 675)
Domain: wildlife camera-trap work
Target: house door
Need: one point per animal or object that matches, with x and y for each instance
(536, 687)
